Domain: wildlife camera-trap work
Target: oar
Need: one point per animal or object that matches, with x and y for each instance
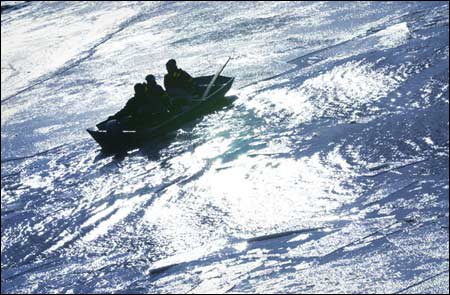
(214, 79)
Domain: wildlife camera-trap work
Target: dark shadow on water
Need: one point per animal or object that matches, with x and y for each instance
(152, 149)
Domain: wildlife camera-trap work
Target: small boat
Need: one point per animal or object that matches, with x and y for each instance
(113, 142)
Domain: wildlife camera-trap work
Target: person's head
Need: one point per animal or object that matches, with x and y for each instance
(171, 66)
(139, 88)
(150, 80)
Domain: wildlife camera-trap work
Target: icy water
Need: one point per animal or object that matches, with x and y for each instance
(328, 174)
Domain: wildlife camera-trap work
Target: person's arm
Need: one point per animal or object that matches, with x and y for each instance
(165, 100)
(186, 77)
(190, 84)
(167, 82)
(125, 112)
(159, 90)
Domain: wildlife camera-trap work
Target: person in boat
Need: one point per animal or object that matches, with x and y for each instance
(151, 87)
(157, 93)
(140, 110)
(179, 84)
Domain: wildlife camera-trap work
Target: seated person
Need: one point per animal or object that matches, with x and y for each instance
(140, 110)
(152, 87)
(179, 84)
(157, 93)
